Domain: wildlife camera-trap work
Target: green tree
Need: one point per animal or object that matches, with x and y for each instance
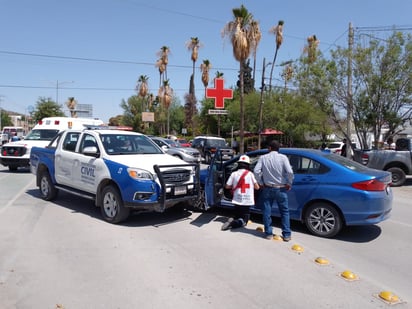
(46, 107)
(5, 119)
(242, 32)
(314, 80)
(381, 84)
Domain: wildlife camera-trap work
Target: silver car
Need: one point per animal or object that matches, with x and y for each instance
(173, 148)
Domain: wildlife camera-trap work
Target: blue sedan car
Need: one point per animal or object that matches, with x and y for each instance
(328, 192)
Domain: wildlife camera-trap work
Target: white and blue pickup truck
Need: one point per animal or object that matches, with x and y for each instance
(120, 170)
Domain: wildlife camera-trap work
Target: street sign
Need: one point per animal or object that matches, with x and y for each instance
(218, 112)
(219, 93)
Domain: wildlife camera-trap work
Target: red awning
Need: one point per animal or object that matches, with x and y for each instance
(270, 131)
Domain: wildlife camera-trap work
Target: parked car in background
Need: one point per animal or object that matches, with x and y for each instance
(183, 142)
(336, 148)
(208, 145)
(173, 148)
(328, 191)
(398, 161)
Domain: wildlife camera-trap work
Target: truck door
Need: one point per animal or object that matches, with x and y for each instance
(64, 158)
(88, 169)
(214, 182)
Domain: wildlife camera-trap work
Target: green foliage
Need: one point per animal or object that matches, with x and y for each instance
(46, 107)
(5, 120)
(381, 83)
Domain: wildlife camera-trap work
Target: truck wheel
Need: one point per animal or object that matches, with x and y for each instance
(323, 220)
(112, 209)
(12, 168)
(48, 191)
(398, 176)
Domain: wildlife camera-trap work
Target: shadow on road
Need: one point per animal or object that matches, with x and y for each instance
(357, 234)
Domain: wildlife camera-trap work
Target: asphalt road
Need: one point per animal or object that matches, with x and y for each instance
(63, 255)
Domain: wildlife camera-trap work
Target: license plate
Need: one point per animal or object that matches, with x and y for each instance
(180, 190)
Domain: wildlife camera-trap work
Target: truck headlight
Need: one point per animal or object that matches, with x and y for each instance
(137, 173)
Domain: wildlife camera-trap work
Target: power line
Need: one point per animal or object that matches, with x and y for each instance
(98, 60)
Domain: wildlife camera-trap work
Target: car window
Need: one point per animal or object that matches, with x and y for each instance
(70, 141)
(216, 143)
(304, 165)
(88, 141)
(348, 163)
(41, 135)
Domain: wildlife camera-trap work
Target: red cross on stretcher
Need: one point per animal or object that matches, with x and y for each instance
(219, 93)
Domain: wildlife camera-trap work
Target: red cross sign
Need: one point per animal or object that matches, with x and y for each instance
(243, 185)
(219, 93)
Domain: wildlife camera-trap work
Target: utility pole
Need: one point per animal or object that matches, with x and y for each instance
(349, 111)
(262, 89)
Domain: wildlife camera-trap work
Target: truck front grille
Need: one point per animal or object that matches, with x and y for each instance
(176, 176)
(10, 151)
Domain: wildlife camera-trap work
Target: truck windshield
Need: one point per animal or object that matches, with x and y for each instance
(41, 135)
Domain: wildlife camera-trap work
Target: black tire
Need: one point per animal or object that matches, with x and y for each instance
(12, 168)
(398, 176)
(47, 189)
(112, 207)
(323, 220)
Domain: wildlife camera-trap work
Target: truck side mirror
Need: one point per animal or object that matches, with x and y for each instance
(91, 151)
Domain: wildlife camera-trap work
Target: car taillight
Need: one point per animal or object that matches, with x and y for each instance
(365, 159)
(370, 185)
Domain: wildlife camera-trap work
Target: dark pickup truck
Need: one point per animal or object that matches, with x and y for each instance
(397, 161)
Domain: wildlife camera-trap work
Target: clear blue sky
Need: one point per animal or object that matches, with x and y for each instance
(96, 50)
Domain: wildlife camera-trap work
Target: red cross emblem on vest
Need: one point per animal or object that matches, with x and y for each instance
(219, 93)
(243, 185)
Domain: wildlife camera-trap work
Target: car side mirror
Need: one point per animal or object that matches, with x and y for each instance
(91, 151)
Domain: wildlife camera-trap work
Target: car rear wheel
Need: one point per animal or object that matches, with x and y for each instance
(398, 176)
(323, 220)
(48, 191)
(112, 207)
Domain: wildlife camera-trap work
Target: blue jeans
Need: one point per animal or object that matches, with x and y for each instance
(268, 199)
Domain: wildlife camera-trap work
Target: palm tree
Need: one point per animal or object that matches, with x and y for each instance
(205, 68)
(242, 34)
(162, 63)
(193, 45)
(219, 74)
(165, 95)
(312, 48)
(142, 88)
(256, 40)
(278, 32)
(71, 104)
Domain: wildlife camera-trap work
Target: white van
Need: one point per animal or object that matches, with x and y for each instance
(17, 154)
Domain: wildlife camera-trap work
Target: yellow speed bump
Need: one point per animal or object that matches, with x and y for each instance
(348, 275)
(322, 261)
(389, 297)
(277, 237)
(259, 229)
(297, 248)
